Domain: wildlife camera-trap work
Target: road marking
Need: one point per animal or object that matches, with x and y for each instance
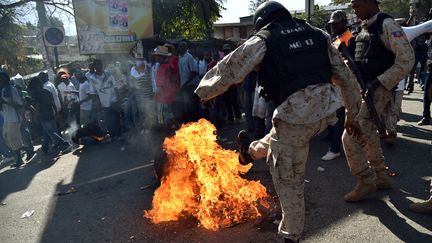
(113, 175)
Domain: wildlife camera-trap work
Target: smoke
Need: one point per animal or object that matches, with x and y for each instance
(71, 131)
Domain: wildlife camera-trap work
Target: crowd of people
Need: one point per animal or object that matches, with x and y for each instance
(153, 91)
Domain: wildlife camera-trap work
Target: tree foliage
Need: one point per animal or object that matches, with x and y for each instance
(190, 19)
(319, 18)
(13, 45)
(399, 8)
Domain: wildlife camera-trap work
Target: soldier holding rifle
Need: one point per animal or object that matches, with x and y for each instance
(384, 56)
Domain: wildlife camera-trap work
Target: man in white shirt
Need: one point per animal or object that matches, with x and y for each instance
(70, 99)
(102, 85)
(86, 101)
(51, 88)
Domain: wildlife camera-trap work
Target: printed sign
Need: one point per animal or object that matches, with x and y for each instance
(112, 26)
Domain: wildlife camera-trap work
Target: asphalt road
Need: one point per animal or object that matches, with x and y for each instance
(98, 194)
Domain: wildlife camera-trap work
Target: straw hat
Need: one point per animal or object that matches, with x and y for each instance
(161, 51)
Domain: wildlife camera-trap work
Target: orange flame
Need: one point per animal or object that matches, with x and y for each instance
(203, 180)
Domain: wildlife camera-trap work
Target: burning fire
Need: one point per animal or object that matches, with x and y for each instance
(203, 180)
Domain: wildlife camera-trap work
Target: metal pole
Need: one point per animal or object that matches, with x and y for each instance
(43, 22)
(56, 57)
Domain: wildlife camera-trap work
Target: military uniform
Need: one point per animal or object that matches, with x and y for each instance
(367, 148)
(296, 119)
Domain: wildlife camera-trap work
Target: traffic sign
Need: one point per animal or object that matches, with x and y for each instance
(54, 36)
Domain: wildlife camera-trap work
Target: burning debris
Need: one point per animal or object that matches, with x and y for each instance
(201, 179)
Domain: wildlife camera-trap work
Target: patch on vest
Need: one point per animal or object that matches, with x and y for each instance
(292, 30)
(301, 44)
(397, 34)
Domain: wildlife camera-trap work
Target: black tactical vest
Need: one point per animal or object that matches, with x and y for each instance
(296, 57)
(370, 53)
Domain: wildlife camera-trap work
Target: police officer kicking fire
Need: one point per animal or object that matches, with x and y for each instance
(385, 57)
(296, 64)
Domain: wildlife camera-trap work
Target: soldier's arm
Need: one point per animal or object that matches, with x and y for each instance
(395, 40)
(345, 79)
(232, 69)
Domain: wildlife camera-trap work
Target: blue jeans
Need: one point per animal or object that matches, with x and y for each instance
(25, 133)
(131, 114)
(112, 121)
(49, 129)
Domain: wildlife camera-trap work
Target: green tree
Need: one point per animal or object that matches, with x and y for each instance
(190, 19)
(11, 40)
(399, 8)
(13, 45)
(319, 17)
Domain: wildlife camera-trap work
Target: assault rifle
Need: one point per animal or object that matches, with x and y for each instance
(368, 100)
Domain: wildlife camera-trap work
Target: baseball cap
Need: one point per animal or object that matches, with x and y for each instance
(337, 16)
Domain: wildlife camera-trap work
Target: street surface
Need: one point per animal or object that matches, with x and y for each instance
(98, 194)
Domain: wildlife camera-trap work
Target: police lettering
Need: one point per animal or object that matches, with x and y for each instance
(289, 31)
(300, 44)
(295, 45)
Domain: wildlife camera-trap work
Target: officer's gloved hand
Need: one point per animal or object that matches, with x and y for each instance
(371, 87)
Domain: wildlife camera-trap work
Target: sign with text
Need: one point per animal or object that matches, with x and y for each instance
(112, 26)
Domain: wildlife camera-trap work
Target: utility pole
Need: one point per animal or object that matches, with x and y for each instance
(205, 15)
(43, 22)
(309, 7)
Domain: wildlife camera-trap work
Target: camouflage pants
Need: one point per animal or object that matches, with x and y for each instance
(359, 151)
(286, 148)
(393, 111)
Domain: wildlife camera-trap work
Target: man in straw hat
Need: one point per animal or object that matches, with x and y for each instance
(167, 85)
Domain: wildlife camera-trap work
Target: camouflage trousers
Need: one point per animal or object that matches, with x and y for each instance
(365, 152)
(286, 148)
(392, 111)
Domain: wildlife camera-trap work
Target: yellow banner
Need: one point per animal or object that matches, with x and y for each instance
(112, 26)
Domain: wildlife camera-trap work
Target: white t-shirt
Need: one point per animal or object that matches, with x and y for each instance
(68, 94)
(103, 86)
(84, 91)
(52, 89)
(202, 67)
